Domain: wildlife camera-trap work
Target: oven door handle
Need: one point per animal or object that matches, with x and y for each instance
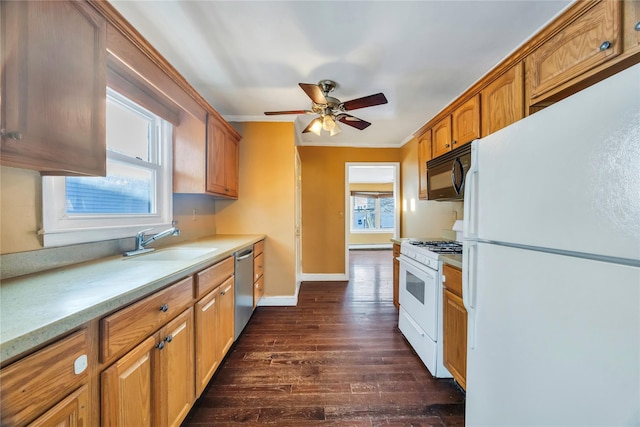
(423, 269)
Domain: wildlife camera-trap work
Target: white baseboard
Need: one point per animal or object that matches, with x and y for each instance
(278, 301)
(335, 277)
(281, 301)
(371, 246)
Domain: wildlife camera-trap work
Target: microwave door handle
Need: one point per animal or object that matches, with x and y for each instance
(457, 187)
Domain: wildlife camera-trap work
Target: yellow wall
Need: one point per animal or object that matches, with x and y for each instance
(422, 218)
(323, 200)
(370, 238)
(20, 209)
(266, 200)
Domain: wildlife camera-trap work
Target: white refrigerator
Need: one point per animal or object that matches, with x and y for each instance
(551, 264)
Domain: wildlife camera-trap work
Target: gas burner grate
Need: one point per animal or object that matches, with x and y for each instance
(439, 247)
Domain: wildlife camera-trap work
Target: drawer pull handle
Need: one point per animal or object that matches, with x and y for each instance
(637, 26)
(169, 338)
(16, 136)
(605, 45)
(164, 308)
(160, 345)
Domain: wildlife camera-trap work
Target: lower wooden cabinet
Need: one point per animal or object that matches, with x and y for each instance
(454, 325)
(207, 313)
(214, 331)
(142, 365)
(396, 275)
(226, 317)
(47, 384)
(72, 411)
(258, 272)
(152, 385)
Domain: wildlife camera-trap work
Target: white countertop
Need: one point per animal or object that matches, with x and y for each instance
(38, 307)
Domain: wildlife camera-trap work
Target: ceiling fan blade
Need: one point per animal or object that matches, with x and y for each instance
(273, 113)
(367, 101)
(353, 121)
(314, 92)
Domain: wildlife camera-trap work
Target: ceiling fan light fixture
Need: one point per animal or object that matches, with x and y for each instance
(336, 129)
(316, 126)
(328, 123)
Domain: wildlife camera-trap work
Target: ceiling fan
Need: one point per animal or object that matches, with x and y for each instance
(332, 110)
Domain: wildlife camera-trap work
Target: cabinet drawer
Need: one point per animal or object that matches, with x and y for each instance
(453, 280)
(258, 267)
(36, 383)
(124, 329)
(258, 248)
(213, 276)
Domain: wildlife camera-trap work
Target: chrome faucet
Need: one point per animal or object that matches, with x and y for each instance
(141, 243)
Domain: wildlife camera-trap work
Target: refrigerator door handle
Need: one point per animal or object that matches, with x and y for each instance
(469, 266)
(470, 200)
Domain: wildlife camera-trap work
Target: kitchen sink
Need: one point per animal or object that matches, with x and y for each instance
(185, 254)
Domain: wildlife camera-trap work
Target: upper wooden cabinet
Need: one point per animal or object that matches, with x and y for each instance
(588, 42)
(465, 122)
(205, 156)
(53, 87)
(593, 38)
(503, 100)
(441, 137)
(424, 155)
(457, 129)
(222, 159)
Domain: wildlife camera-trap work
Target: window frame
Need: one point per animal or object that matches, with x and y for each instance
(62, 229)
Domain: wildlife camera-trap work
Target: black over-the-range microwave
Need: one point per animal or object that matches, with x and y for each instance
(446, 174)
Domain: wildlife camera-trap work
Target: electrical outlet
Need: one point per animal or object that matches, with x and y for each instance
(193, 217)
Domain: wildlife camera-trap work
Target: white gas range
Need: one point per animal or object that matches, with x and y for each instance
(421, 299)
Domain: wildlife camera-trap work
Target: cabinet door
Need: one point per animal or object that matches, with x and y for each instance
(231, 166)
(207, 352)
(454, 326)
(127, 388)
(465, 122)
(592, 39)
(502, 101)
(424, 155)
(396, 274)
(215, 158)
(441, 137)
(226, 319)
(53, 87)
(189, 160)
(258, 291)
(176, 369)
(73, 411)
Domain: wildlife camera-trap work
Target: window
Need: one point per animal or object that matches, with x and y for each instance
(135, 194)
(372, 211)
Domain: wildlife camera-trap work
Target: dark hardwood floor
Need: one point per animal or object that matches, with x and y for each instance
(336, 359)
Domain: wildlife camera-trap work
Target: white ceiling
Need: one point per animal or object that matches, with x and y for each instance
(247, 57)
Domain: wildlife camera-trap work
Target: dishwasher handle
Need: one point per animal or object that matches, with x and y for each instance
(244, 254)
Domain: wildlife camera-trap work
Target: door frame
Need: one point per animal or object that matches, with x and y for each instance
(347, 203)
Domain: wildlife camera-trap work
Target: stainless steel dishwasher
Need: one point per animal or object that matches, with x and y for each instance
(243, 288)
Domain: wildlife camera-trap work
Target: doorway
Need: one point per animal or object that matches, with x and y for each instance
(372, 205)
